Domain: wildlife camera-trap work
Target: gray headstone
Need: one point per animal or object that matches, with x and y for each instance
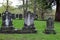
(7, 20)
(50, 26)
(29, 19)
(29, 22)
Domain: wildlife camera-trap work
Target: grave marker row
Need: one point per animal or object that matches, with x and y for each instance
(7, 26)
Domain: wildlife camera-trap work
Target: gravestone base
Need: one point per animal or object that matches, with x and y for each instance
(12, 30)
(50, 31)
(9, 31)
(17, 31)
(28, 29)
(6, 29)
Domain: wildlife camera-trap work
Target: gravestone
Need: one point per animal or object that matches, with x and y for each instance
(13, 16)
(29, 23)
(7, 26)
(20, 16)
(50, 26)
(7, 21)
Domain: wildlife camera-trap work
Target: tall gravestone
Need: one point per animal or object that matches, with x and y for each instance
(50, 26)
(7, 22)
(29, 23)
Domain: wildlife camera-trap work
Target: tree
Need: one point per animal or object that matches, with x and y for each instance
(42, 6)
(57, 15)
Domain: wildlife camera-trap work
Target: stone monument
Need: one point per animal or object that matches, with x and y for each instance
(29, 23)
(6, 22)
(50, 26)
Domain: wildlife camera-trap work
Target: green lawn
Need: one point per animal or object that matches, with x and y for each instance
(40, 26)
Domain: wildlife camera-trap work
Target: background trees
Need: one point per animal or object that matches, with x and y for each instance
(41, 7)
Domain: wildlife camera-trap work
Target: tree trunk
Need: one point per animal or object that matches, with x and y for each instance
(7, 5)
(26, 5)
(57, 15)
(35, 9)
(42, 15)
(23, 7)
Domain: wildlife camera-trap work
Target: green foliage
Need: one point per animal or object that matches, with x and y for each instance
(43, 4)
(11, 9)
(2, 9)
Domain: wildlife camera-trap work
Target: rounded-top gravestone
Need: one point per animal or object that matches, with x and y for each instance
(7, 21)
(50, 26)
(29, 23)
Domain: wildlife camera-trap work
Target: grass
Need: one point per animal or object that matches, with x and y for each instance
(40, 26)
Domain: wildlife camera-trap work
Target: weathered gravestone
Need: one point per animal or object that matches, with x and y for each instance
(20, 16)
(7, 21)
(13, 16)
(50, 26)
(29, 23)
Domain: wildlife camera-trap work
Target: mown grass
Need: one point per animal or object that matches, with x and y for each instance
(40, 26)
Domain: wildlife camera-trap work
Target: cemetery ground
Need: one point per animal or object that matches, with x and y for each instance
(40, 26)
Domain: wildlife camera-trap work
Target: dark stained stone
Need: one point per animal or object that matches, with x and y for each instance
(50, 26)
(7, 21)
